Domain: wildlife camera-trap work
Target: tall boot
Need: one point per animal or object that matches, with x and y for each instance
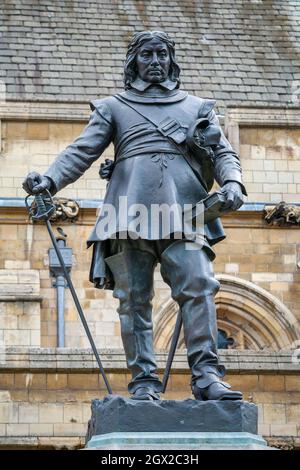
(190, 275)
(133, 272)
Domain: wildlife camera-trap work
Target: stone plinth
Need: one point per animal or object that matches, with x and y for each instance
(122, 423)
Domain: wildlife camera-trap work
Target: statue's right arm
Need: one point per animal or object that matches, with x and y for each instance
(72, 162)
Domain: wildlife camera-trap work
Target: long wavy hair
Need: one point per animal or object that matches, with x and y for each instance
(138, 39)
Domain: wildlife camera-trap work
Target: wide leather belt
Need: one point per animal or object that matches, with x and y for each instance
(139, 154)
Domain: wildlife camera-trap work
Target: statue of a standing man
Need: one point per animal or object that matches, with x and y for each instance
(156, 163)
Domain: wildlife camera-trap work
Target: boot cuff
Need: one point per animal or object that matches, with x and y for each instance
(207, 375)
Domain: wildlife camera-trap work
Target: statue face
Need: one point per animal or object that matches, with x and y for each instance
(153, 61)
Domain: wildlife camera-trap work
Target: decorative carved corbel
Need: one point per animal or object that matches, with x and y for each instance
(66, 210)
(282, 214)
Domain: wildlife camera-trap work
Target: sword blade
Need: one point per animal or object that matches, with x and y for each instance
(78, 306)
(172, 350)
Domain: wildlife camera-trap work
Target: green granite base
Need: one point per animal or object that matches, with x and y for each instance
(177, 440)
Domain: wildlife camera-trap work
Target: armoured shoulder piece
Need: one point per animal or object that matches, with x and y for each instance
(202, 106)
(99, 102)
(206, 107)
(102, 107)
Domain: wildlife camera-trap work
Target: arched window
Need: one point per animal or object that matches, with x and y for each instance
(247, 313)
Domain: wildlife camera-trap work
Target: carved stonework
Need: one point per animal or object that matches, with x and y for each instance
(282, 214)
(66, 209)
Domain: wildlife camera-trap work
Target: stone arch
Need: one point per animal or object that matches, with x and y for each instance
(250, 314)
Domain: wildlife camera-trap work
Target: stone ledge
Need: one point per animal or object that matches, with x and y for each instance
(13, 211)
(284, 442)
(27, 110)
(276, 116)
(47, 442)
(21, 298)
(18, 202)
(35, 359)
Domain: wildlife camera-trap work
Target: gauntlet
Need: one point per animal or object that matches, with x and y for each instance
(106, 169)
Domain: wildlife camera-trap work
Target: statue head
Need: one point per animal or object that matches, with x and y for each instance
(151, 56)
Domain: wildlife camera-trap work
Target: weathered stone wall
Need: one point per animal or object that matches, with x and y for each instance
(20, 319)
(271, 163)
(33, 243)
(32, 146)
(265, 255)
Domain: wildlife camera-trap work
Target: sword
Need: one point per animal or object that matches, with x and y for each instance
(43, 209)
(171, 354)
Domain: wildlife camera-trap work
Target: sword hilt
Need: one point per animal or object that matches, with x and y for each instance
(42, 207)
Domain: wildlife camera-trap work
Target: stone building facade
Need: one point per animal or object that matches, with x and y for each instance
(54, 59)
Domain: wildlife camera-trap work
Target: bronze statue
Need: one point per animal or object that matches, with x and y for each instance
(169, 148)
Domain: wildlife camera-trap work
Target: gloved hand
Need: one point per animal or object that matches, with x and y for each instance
(35, 183)
(234, 196)
(106, 169)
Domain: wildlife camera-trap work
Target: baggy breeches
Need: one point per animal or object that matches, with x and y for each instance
(189, 273)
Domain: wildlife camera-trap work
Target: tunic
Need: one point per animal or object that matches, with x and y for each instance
(150, 168)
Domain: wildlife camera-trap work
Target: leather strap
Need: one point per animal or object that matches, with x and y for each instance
(167, 126)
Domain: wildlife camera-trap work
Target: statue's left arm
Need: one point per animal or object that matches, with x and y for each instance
(227, 168)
